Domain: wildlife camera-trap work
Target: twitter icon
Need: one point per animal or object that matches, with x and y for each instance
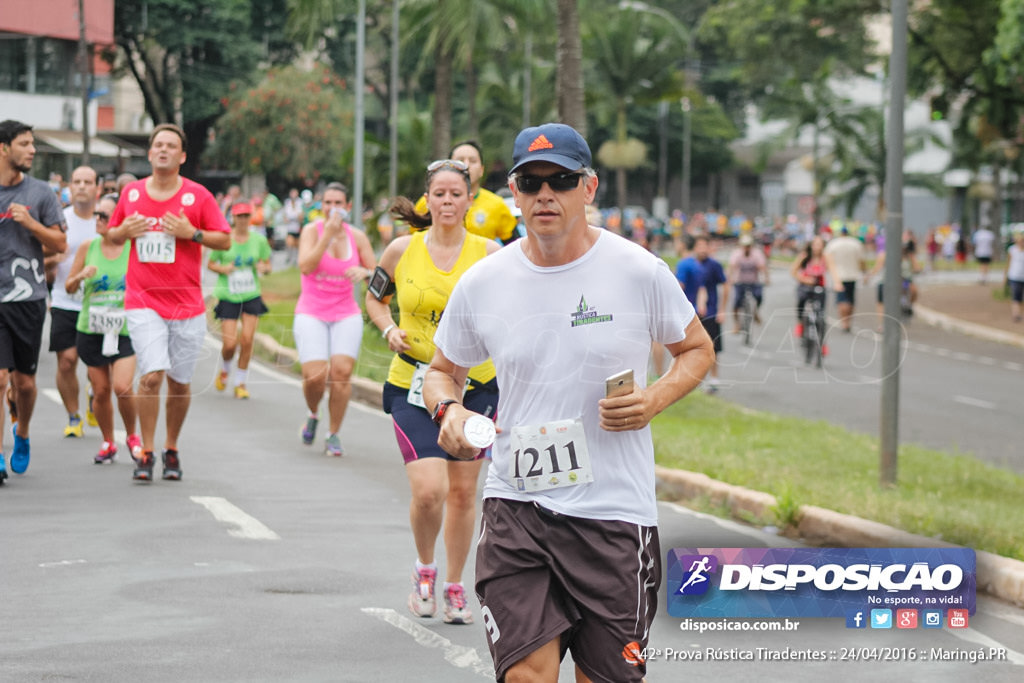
(881, 618)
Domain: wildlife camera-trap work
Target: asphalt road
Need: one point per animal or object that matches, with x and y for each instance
(272, 562)
(958, 394)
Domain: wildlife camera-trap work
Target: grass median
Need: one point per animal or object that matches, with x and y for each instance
(948, 496)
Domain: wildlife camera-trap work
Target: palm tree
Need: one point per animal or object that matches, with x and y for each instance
(569, 74)
(629, 53)
(459, 35)
(859, 159)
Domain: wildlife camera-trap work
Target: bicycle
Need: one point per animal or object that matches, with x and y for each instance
(814, 326)
(747, 311)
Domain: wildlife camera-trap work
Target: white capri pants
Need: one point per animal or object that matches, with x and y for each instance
(318, 339)
(170, 345)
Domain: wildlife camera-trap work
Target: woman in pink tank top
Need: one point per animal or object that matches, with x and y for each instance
(334, 258)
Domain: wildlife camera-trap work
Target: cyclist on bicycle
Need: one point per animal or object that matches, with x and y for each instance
(748, 271)
(809, 272)
(909, 267)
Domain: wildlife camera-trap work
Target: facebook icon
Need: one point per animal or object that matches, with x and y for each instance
(856, 619)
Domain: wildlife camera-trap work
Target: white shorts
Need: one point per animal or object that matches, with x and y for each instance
(318, 339)
(170, 345)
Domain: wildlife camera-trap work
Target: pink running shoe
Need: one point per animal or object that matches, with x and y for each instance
(421, 600)
(108, 453)
(134, 443)
(456, 611)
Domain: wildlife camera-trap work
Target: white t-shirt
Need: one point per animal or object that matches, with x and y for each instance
(984, 239)
(79, 230)
(1015, 268)
(555, 334)
(848, 254)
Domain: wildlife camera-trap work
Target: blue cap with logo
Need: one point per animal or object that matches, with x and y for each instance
(553, 142)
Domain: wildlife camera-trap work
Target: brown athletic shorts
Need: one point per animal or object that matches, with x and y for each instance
(541, 575)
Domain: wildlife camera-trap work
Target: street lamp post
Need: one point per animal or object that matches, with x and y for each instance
(393, 96)
(892, 336)
(357, 172)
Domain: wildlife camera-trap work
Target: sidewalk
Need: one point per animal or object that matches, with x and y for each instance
(954, 301)
(966, 306)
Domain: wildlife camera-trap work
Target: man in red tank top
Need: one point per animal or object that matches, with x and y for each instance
(168, 219)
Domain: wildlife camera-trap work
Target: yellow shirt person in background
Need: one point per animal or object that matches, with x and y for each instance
(488, 215)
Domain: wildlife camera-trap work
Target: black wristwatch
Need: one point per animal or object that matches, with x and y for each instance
(440, 409)
(197, 236)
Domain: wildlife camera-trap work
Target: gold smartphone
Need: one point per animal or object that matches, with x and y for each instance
(619, 384)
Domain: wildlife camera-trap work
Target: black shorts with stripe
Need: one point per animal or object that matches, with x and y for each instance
(592, 583)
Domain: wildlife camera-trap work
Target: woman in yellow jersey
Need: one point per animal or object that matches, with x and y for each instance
(488, 215)
(424, 268)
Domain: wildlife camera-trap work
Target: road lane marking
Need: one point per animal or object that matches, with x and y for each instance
(459, 656)
(976, 402)
(247, 526)
(999, 610)
(61, 563)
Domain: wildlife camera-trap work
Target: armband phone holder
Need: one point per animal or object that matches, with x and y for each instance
(381, 284)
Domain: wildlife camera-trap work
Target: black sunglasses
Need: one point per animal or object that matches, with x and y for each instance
(102, 215)
(558, 182)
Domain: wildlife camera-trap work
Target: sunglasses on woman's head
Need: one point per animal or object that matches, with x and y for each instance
(453, 164)
(559, 182)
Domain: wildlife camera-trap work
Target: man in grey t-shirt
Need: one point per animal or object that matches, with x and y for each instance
(31, 225)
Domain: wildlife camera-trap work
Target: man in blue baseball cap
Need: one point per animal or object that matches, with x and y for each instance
(569, 514)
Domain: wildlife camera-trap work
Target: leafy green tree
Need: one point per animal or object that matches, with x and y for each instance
(627, 53)
(294, 126)
(183, 53)
(781, 45)
(962, 56)
(857, 162)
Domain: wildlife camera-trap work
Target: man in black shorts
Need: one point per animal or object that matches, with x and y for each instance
(568, 556)
(64, 308)
(31, 224)
(711, 307)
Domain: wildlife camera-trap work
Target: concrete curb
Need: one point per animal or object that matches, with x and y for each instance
(999, 576)
(945, 322)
